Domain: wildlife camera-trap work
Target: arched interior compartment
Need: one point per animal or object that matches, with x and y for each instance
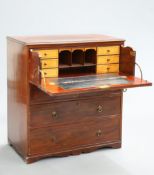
(78, 57)
(90, 56)
(64, 58)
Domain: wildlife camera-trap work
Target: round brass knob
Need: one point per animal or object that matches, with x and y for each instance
(100, 108)
(99, 133)
(54, 114)
(45, 64)
(108, 59)
(108, 50)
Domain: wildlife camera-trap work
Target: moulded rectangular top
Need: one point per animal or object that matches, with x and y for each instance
(64, 39)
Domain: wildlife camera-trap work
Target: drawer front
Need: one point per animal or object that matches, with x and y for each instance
(47, 73)
(113, 68)
(74, 111)
(100, 69)
(108, 50)
(67, 137)
(107, 59)
(49, 63)
(108, 68)
(48, 53)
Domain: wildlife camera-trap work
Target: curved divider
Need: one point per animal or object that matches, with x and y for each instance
(90, 56)
(65, 58)
(76, 61)
(78, 57)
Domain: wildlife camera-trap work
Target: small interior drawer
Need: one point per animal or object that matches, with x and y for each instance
(58, 139)
(49, 63)
(48, 53)
(47, 73)
(107, 59)
(108, 50)
(113, 68)
(107, 68)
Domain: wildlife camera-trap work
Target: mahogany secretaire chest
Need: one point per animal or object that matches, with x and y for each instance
(65, 93)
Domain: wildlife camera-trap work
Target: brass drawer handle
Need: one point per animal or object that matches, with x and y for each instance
(99, 133)
(45, 64)
(108, 59)
(100, 108)
(108, 50)
(54, 114)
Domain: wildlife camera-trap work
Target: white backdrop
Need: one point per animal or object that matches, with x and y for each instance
(132, 20)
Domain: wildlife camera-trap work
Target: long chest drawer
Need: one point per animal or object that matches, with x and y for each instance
(68, 137)
(73, 111)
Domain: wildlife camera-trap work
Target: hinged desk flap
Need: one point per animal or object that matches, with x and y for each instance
(55, 86)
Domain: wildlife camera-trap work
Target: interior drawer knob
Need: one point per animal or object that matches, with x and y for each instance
(99, 133)
(100, 108)
(54, 114)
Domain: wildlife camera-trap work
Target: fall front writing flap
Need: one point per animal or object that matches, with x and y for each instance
(54, 86)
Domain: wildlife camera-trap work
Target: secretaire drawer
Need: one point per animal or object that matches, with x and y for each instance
(74, 111)
(49, 63)
(107, 68)
(43, 54)
(50, 72)
(108, 50)
(108, 59)
(68, 137)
